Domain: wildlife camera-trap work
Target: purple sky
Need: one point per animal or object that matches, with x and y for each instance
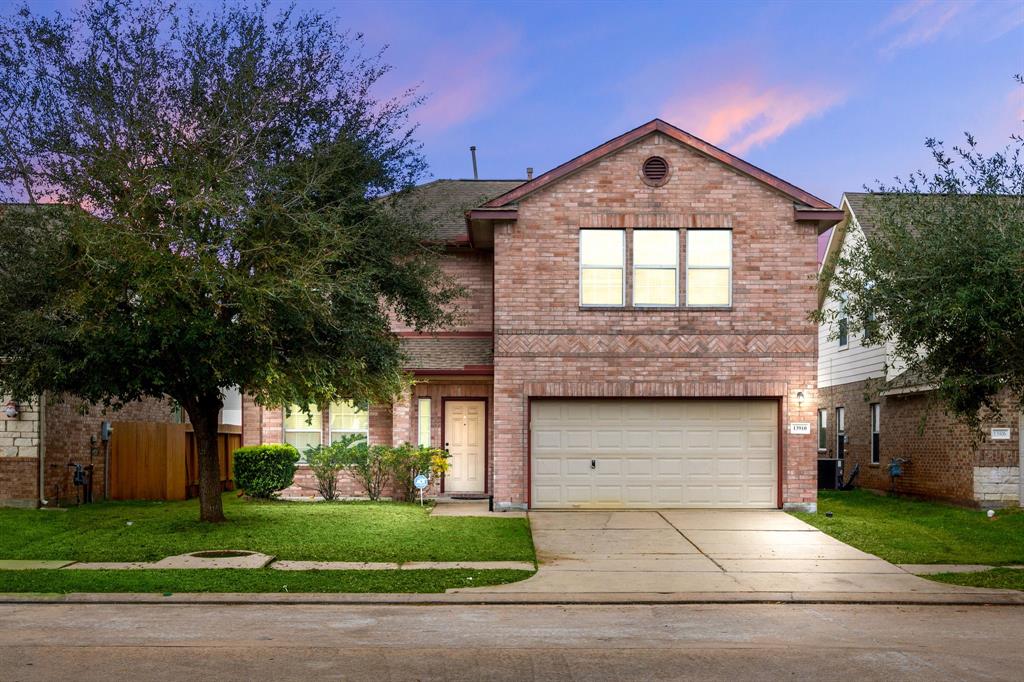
(829, 96)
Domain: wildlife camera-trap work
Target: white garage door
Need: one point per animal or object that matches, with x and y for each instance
(653, 453)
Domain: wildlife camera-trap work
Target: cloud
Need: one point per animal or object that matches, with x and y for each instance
(462, 84)
(740, 116)
(918, 22)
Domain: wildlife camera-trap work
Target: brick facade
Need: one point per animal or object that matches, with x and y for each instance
(945, 459)
(472, 270)
(762, 346)
(69, 429)
(389, 425)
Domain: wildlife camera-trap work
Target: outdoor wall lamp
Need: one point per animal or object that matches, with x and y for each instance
(11, 409)
(800, 398)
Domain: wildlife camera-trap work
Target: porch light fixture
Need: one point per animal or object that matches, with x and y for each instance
(799, 397)
(11, 409)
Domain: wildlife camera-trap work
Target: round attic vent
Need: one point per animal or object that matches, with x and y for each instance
(655, 171)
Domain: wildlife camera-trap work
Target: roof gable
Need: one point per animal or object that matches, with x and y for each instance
(681, 136)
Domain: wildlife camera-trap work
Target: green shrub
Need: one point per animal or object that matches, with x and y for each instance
(369, 467)
(407, 461)
(262, 470)
(328, 461)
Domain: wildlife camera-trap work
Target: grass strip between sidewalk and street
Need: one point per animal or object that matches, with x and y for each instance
(64, 581)
(997, 578)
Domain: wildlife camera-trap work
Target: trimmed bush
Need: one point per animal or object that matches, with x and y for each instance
(263, 470)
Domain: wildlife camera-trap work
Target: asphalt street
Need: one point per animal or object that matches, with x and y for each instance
(541, 642)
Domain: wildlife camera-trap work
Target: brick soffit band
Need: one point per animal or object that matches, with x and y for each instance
(488, 210)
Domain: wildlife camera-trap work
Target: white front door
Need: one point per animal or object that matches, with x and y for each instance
(465, 438)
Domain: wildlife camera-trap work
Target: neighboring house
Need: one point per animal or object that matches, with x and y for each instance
(635, 335)
(41, 440)
(869, 415)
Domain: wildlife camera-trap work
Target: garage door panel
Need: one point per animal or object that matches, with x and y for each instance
(700, 439)
(654, 453)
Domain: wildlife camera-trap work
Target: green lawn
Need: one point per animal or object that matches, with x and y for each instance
(998, 578)
(250, 580)
(341, 531)
(911, 532)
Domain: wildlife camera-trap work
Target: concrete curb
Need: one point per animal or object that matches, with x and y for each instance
(988, 598)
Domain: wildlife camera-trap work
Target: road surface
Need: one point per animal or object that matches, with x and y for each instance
(665, 642)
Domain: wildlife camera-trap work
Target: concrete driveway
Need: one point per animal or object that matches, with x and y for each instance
(703, 551)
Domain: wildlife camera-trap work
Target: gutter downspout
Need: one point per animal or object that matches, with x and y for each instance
(42, 450)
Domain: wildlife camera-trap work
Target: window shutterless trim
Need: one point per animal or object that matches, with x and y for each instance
(727, 268)
(602, 266)
(642, 266)
(420, 413)
(876, 433)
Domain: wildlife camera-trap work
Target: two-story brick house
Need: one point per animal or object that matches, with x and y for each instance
(636, 335)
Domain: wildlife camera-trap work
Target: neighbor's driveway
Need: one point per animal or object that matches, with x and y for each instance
(701, 551)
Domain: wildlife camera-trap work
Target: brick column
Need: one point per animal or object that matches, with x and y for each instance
(401, 421)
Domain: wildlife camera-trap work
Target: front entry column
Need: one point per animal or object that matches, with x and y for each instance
(401, 421)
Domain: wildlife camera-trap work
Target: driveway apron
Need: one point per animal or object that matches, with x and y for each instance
(706, 551)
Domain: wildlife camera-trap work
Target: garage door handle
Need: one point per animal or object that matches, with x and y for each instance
(593, 464)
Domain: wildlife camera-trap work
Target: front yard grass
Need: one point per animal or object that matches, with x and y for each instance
(905, 531)
(340, 531)
(997, 578)
(250, 580)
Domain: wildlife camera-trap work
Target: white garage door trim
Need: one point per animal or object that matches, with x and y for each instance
(654, 453)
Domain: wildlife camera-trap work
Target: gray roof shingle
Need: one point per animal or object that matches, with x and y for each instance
(443, 203)
(447, 352)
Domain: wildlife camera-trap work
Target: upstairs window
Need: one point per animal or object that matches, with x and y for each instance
(709, 267)
(844, 324)
(347, 418)
(602, 267)
(655, 267)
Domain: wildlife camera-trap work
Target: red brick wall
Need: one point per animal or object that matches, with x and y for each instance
(942, 451)
(472, 270)
(18, 477)
(763, 345)
(69, 428)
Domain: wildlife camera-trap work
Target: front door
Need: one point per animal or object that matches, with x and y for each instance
(465, 439)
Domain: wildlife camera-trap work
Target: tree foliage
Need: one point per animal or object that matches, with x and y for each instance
(228, 186)
(939, 279)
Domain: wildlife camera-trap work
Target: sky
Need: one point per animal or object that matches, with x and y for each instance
(831, 96)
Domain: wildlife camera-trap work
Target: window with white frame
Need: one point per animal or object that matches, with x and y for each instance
(423, 422)
(840, 433)
(843, 323)
(602, 267)
(876, 432)
(303, 429)
(822, 429)
(347, 418)
(708, 267)
(655, 267)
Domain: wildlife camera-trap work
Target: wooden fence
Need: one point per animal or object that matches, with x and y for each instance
(158, 461)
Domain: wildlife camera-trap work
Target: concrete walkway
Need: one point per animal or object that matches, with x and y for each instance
(704, 551)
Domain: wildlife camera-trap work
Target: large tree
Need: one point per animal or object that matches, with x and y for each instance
(225, 188)
(939, 279)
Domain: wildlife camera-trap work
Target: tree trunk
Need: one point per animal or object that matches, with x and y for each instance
(204, 415)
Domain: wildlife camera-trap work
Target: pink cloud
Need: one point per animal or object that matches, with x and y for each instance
(740, 115)
(918, 22)
(461, 84)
